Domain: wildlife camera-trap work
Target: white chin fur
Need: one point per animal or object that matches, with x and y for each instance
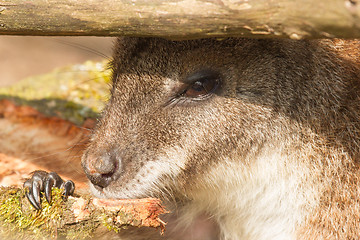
(106, 193)
(96, 193)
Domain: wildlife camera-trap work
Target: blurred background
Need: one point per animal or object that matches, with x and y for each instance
(24, 56)
(29, 138)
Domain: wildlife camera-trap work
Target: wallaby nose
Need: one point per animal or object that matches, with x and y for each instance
(100, 169)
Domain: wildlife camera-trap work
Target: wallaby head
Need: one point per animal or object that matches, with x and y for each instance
(251, 132)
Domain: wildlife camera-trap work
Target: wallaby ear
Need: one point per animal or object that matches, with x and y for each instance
(128, 48)
(133, 54)
(127, 51)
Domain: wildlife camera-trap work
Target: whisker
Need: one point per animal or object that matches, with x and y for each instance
(82, 47)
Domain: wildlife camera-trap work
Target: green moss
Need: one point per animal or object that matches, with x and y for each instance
(11, 215)
(18, 220)
(74, 93)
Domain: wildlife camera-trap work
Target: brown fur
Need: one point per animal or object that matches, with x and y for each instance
(283, 129)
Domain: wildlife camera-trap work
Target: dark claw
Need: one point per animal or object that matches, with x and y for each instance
(69, 188)
(29, 195)
(43, 182)
(35, 191)
(48, 186)
(32, 201)
(52, 180)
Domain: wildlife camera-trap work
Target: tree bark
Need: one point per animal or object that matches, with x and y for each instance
(184, 19)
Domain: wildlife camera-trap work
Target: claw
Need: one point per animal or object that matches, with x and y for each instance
(35, 190)
(28, 193)
(69, 188)
(48, 187)
(51, 180)
(27, 184)
(32, 200)
(43, 182)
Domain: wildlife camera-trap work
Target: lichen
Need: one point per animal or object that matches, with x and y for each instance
(109, 223)
(117, 220)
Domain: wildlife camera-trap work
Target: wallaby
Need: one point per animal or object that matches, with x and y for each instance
(262, 136)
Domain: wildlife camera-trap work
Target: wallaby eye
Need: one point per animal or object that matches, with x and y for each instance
(201, 84)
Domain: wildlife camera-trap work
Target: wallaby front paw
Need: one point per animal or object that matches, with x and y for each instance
(43, 182)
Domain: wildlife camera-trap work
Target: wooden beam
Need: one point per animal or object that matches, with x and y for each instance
(182, 19)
